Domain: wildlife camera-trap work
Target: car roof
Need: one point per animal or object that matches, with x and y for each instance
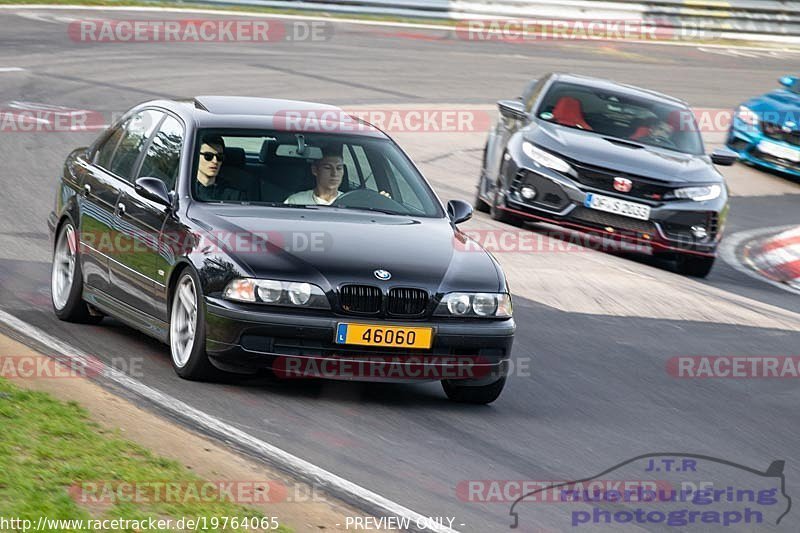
(629, 90)
(247, 112)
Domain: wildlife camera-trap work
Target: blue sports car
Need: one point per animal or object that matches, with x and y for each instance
(765, 130)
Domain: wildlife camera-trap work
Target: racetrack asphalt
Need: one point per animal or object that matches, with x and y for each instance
(596, 329)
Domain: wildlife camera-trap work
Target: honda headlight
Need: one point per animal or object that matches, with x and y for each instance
(545, 159)
(698, 194)
(275, 292)
(479, 304)
(746, 115)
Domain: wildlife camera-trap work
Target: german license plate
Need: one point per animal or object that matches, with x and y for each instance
(384, 336)
(780, 151)
(617, 206)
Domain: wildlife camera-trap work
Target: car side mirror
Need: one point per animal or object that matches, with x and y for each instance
(788, 81)
(513, 109)
(724, 157)
(459, 211)
(154, 190)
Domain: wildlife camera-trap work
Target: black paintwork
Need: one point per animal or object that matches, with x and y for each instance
(648, 167)
(137, 251)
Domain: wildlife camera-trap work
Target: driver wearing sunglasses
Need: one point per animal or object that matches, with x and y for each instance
(209, 187)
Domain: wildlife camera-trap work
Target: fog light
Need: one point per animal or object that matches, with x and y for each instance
(527, 192)
(699, 232)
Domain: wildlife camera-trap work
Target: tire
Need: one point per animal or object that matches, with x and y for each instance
(187, 329)
(500, 215)
(694, 266)
(479, 204)
(459, 391)
(66, 279)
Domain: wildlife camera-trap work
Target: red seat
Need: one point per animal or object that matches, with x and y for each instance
(569, 112)
(641, 131)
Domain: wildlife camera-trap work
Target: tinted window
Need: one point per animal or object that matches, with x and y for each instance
(606, 112)
(379, 176)
(137, 131)
(106, 151)
(163, 155)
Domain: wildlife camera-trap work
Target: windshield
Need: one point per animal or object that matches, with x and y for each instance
(308, 170)
(644, 121)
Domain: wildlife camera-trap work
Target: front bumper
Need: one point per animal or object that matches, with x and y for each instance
(560, 200)
(745, 141)
(302, 345)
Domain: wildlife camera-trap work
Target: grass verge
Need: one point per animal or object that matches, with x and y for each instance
(49, 448)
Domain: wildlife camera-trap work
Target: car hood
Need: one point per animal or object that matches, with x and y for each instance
(336, 247)
(778, 106)
(596, 150)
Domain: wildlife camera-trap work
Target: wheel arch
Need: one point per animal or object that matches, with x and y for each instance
(177, 270)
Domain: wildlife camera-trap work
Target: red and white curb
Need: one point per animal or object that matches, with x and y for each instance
(777, 257)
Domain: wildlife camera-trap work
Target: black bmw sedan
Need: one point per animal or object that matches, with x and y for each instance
(252, 233)
(610, 159)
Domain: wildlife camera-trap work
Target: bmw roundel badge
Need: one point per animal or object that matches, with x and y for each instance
(382, 275)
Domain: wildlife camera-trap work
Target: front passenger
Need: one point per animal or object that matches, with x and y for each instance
(208, 187)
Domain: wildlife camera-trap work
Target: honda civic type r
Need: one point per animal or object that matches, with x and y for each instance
(377, 284)
(611, 159)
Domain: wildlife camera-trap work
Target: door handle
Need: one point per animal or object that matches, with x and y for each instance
(87, 189)
(121, 208)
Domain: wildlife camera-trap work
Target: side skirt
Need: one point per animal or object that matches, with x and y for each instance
(149, 325)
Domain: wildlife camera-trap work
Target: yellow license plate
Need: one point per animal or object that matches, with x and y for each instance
(385, 336)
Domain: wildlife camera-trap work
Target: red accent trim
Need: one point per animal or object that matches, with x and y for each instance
(590, 229)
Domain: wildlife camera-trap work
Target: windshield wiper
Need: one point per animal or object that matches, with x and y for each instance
(373, 209)
(292, 206)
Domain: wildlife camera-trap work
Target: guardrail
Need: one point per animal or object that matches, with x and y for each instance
(764, 20)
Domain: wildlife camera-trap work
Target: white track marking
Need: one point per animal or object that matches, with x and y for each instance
(751, 52)
(197, 418)
(11, 69)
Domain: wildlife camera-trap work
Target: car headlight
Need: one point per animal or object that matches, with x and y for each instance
(545, 159)
(479, 304)
(746, 115)
(270, 291)
(698, 194)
